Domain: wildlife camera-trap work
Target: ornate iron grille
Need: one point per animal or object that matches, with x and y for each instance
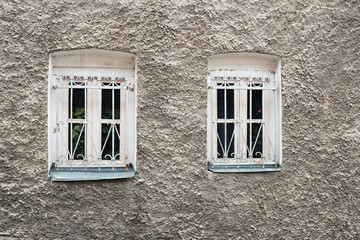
(243, 118)
(91, 105)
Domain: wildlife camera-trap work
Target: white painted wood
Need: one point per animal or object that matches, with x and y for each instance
(50, 106)
(132, 122)
(210, 133)
(279, 112)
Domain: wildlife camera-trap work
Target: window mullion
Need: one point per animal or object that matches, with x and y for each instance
(113, 114)
(237, 120)
(57, 107)
(225, 123)
(124, 134)
(100, 123)
(214, 118)
(86, 118)
(64, 131)
(275, 118)
(250, 120)
(263, 118)
(71, 118)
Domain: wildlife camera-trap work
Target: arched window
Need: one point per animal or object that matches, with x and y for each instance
(244, 113)
(92, 117)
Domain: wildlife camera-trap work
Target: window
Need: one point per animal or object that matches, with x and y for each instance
(244, 113)
(92, 117)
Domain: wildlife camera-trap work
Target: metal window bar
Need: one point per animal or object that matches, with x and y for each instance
(244, 82)
(250, 125)
(69, 160)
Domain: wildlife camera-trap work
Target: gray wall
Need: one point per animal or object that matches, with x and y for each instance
(173, 195)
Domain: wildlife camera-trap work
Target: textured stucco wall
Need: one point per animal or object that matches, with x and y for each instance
(173, 196)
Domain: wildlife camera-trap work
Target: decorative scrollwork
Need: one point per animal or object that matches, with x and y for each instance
(242, 80)
(81, 160)
(90, 81)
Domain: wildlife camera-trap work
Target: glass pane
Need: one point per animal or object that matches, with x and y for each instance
(229, 142)
(106, 139)
(117, 142)
(106, 104)
(78, 103)
(256, 104)
(229, 103)
(108, 150)
(75, 136)
(220, 104)
(117, 103)
(259, 143)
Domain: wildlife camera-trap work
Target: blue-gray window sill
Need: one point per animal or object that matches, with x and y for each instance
(244, 168)
(91, 173)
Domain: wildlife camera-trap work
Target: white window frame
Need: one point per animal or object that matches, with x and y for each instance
(243, 70)
(92, 67)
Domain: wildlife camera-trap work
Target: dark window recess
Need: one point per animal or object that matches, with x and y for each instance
(229, 129)
(78, 103)
(256, 110)
(76, 135)
(107, 133)
(106, 104)
(229, 103)
(117, 103)
(259, 143)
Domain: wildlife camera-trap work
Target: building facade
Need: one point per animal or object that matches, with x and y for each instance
(174, 191)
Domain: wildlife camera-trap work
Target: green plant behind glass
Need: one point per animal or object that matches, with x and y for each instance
(79, 113)
(107, 113)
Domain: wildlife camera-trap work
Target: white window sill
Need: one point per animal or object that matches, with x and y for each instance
(232, 168)
(91, 173)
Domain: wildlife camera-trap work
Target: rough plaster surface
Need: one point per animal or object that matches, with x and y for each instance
(173, 196)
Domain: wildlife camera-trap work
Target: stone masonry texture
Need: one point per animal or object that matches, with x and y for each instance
(173, 195)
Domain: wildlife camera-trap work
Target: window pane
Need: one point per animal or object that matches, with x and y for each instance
(75, 136)
(229, 142)
(106, 104)
(117, 142)
(256, 104)
(78, 103)
(220, 104)
(229, 103)
(259, 143)
(117, 103)
(106, 139)
(230, 139)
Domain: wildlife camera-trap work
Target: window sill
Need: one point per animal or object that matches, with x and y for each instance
(91, 173)
(246, 168)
